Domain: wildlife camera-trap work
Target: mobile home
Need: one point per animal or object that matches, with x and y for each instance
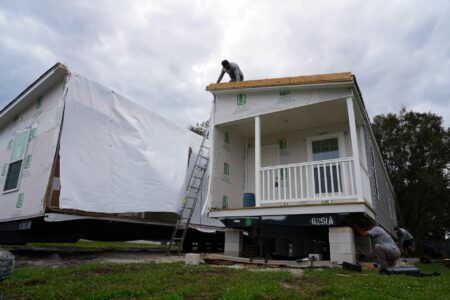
(293, 161)
(81, 161)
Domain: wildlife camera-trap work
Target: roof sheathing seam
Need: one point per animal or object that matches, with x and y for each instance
(286, 81)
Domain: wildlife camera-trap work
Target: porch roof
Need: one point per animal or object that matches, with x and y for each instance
(285, 81)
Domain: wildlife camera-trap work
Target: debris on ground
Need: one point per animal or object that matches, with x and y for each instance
(230, 260)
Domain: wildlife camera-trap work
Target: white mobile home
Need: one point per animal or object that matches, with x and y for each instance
(81, 161)
(292, 161)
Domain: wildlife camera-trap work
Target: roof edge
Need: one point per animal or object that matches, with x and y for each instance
(56, 72)
(284, 81)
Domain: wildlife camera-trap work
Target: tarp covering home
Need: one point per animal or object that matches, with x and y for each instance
(117, 157)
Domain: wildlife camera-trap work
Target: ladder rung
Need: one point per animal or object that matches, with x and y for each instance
(182, 224)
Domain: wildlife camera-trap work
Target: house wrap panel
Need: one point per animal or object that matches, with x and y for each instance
(236, 106)
(43, 119)
(227, 169)
(117, 157)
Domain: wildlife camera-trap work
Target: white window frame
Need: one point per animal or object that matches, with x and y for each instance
(17, 160)
(341, 143)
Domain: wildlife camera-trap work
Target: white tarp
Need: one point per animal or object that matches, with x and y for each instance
(116, 156)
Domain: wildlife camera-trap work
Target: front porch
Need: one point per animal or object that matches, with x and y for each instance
(305, 160)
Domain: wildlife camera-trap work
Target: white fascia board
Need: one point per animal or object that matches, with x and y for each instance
(31, 93)
(293, 210)
(330, 85)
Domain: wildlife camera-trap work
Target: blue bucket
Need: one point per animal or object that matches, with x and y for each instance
(249, 200)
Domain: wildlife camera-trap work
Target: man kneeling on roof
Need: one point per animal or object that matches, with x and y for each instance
(233, 71)
(386, 250)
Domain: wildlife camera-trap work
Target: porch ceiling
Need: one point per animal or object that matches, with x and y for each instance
(311, 116)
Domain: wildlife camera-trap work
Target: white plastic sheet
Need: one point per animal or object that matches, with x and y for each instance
(116, 156)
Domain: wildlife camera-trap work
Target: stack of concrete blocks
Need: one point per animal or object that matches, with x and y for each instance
(342, 245)
(233, 243)
(192, 259)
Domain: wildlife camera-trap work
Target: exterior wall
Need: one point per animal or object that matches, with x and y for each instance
(227, 183)
(297, 143)
(236, 106)
(43, 119)
(381, 192)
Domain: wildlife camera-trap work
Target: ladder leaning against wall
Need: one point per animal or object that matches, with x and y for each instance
(191, 196)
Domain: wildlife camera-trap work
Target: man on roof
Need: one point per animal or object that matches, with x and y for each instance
(233, 71)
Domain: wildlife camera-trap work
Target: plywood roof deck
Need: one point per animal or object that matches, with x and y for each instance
(286, 81)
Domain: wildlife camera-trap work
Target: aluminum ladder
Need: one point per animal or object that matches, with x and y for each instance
(191, 196)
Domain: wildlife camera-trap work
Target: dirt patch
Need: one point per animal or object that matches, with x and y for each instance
(291, 285)
(33, 282)
(46, 258)
(296, 273)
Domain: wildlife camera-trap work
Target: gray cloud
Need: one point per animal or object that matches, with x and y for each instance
(162, 54)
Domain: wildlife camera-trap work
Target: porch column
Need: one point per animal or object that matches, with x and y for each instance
(257, 161)
(355, 150)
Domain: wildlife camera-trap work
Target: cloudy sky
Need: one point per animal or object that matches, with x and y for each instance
(162, 54)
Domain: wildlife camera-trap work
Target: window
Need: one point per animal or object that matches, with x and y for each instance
(326, 178)
(18, 151)
(325, 149)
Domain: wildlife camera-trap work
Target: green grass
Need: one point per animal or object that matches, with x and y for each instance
(88, 245)
(145, 281)
(176, 281)
(375, 286)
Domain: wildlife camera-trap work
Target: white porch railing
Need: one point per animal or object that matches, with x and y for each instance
(312, 181)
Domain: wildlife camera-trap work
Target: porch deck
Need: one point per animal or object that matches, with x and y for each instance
(297, 209)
